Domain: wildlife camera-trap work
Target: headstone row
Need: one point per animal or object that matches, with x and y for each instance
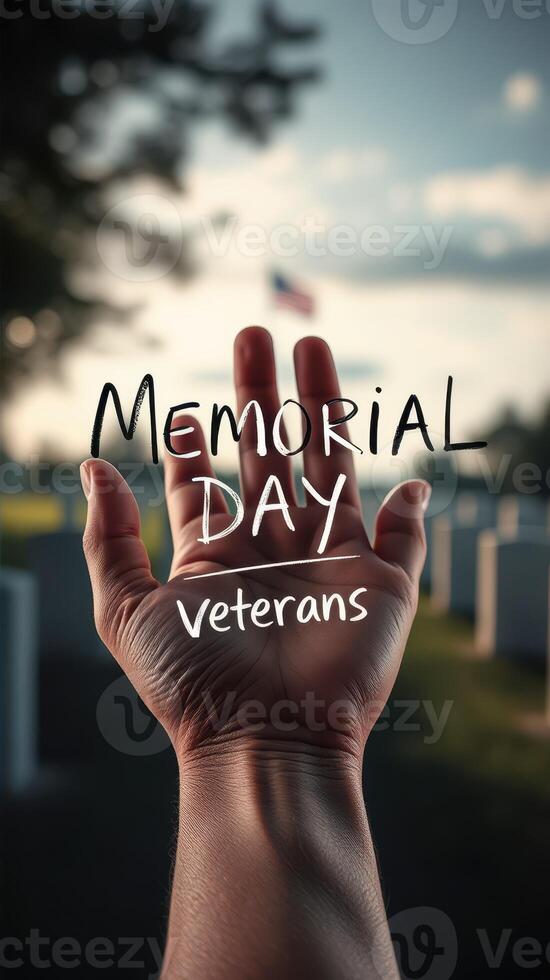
(512, 594)
(488, 562)
(491, 563)
(45, 611)
(18, 680)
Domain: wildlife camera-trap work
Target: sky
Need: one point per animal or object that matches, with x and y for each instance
(424, 169)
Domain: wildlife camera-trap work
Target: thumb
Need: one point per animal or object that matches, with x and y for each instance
(118, 562)
(400, 537)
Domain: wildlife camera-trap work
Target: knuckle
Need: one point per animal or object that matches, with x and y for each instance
(89, 543)
(103, 621)
(406, 588)
(418, 534)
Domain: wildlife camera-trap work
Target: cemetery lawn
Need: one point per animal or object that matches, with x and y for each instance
(462, 823)
(492, 701)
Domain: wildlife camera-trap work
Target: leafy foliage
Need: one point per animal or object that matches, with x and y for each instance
(71, 71)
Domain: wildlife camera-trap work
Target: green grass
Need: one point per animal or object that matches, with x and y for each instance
(490, 700)
(462, 825)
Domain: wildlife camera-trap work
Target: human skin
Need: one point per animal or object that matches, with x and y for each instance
(275, 873)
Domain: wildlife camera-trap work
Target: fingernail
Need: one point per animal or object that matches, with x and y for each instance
(86, 480)
(419, 493)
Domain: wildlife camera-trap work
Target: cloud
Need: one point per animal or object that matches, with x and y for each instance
(493, 242)
(522, 92)
(262, 187)
(507, 194)
(400, 198)
(345, 164)
(489, 260)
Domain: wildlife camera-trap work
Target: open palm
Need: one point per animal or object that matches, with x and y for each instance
(294, 664)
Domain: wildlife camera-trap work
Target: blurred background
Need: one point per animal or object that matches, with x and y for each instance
(374, 171)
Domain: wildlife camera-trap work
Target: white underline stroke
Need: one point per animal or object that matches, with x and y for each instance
(276, 564)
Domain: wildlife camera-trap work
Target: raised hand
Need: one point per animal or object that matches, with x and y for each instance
(268, 704)
(322, 681)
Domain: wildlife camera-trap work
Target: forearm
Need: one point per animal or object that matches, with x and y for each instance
(275, 872)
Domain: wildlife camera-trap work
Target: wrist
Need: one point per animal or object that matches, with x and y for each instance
(295, 786)
(252, 759)
(286, 832)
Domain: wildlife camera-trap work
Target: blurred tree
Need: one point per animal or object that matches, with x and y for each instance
(517, 442)
(75, 71)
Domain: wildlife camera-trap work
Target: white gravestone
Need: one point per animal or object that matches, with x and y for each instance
(18, 680)
(437, 507)
(454, 557)
(475, 507)
(517, 510)
(65, 610)
(512, 594)
(468, 508)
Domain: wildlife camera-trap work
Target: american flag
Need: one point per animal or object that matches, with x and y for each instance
(289, 296)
